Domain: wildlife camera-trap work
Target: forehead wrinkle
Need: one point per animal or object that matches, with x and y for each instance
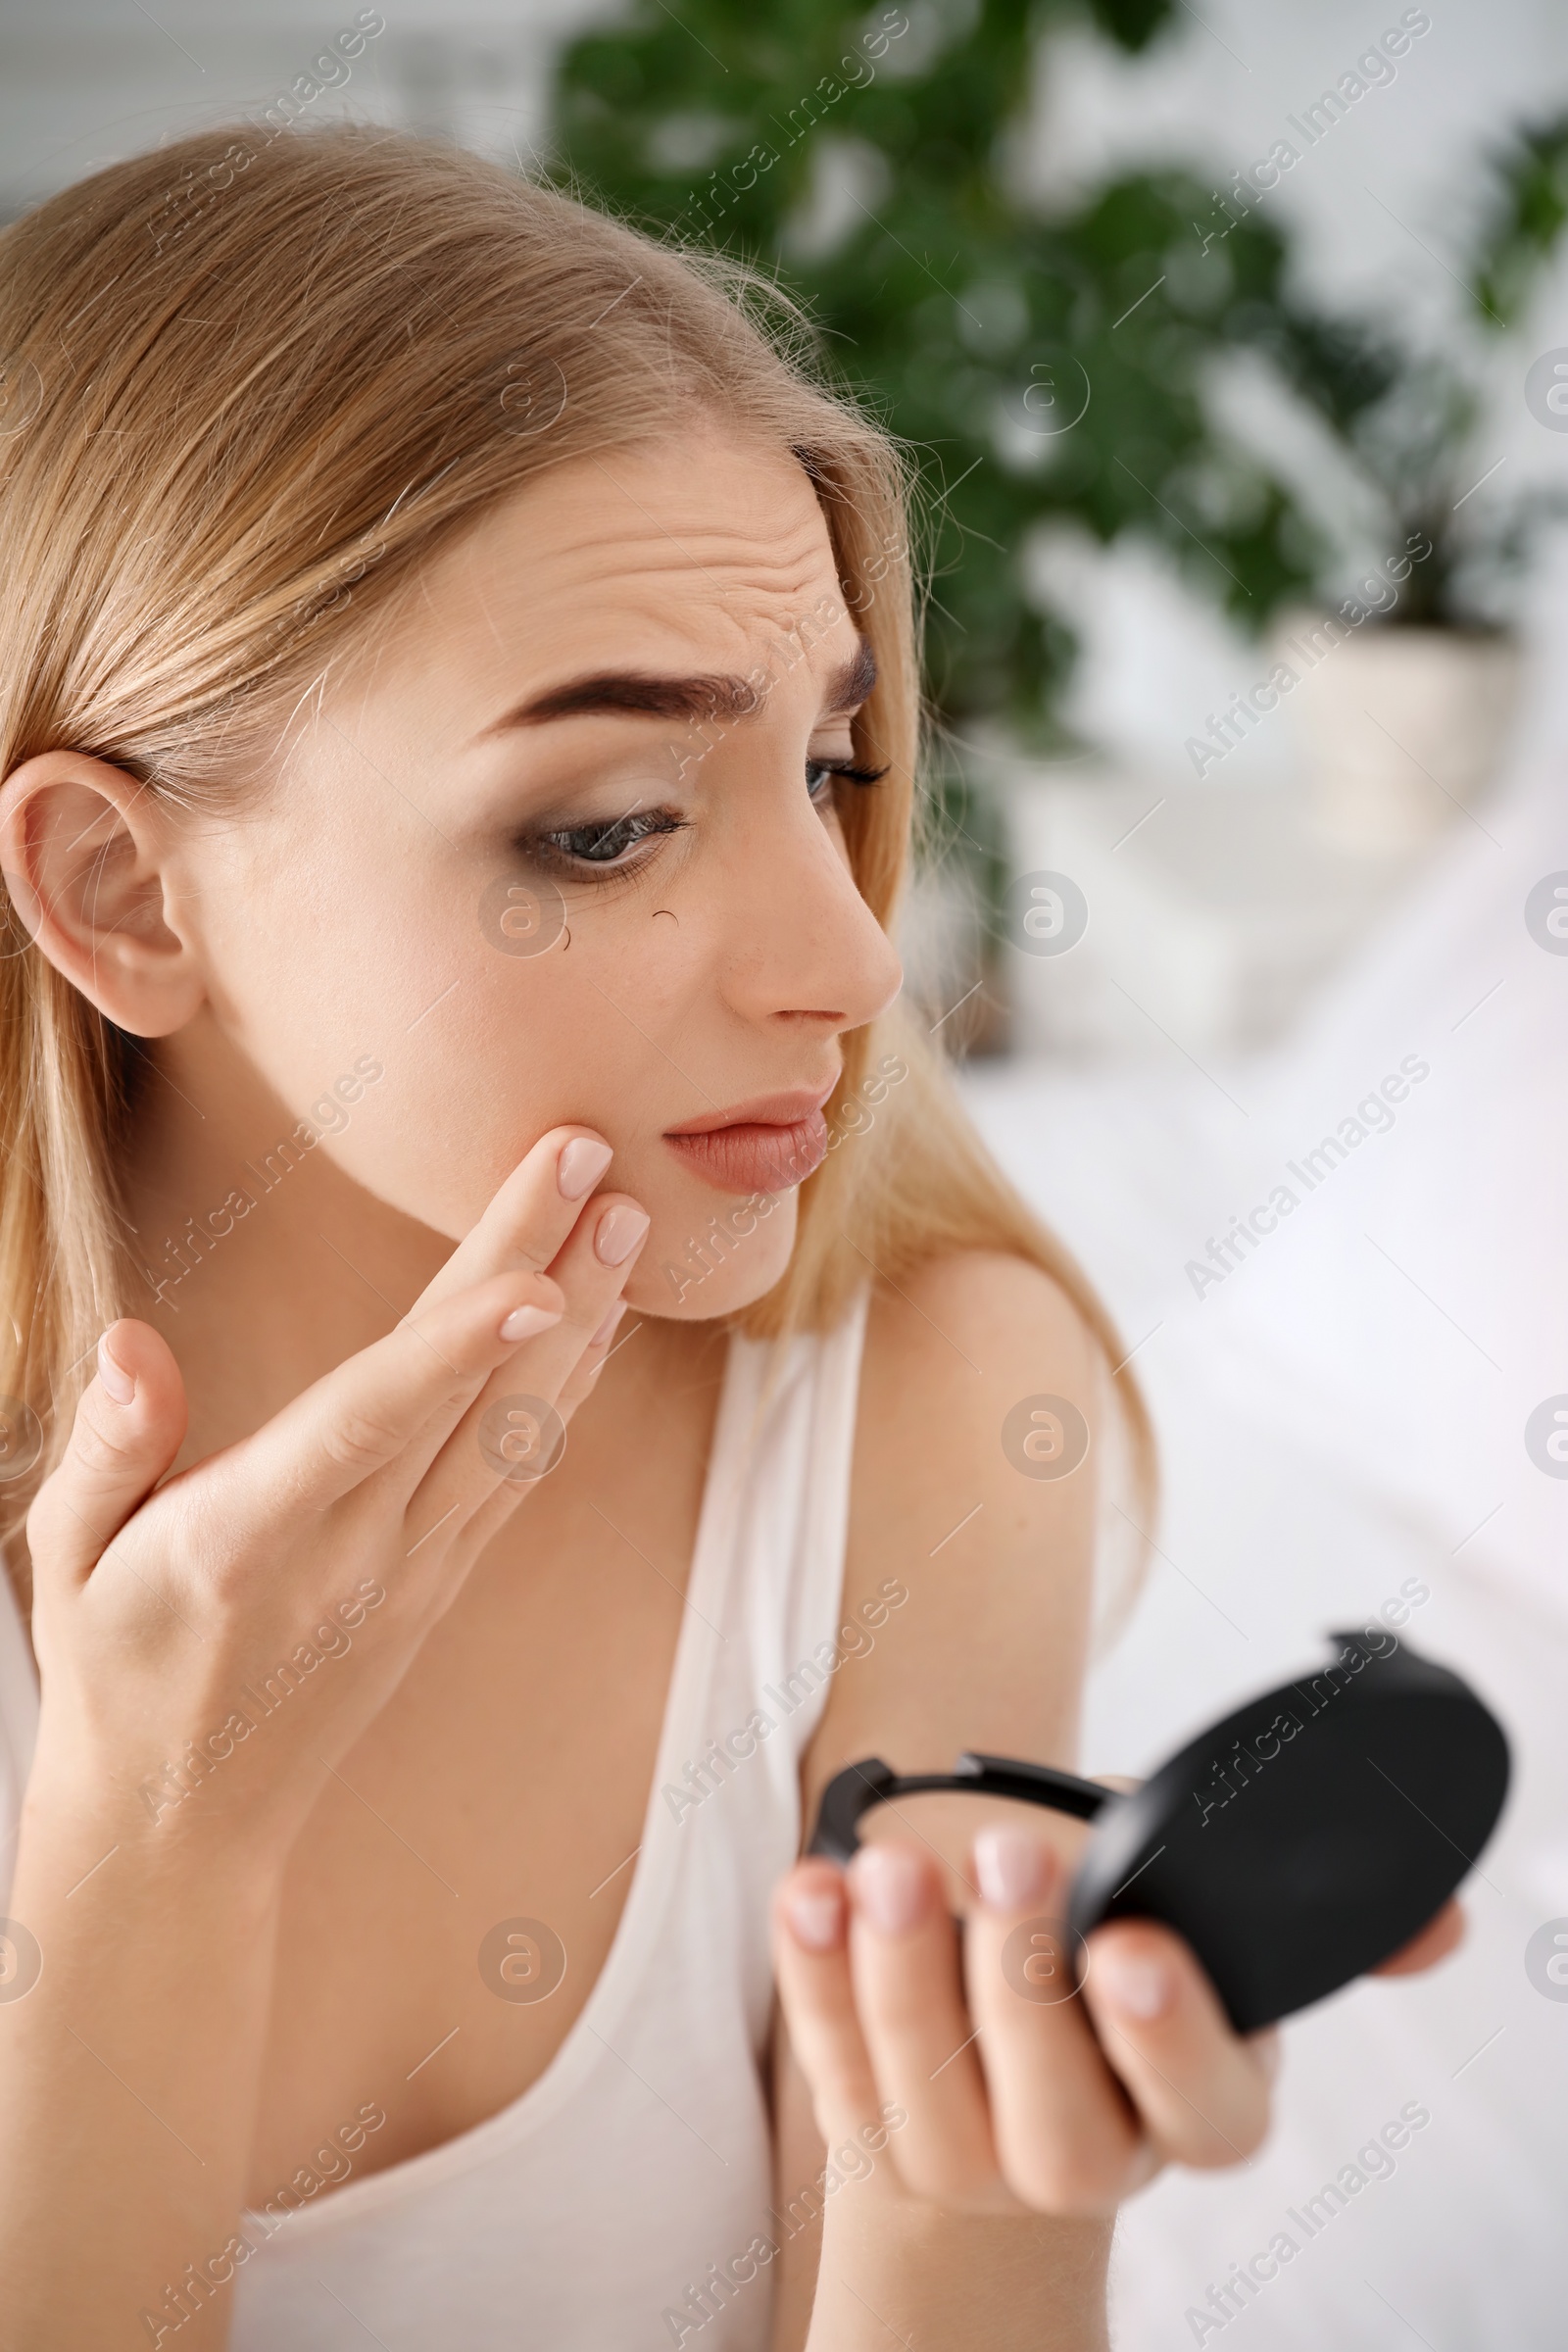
(747, 609)
(650, 545)
(773, 576)
(637, 576)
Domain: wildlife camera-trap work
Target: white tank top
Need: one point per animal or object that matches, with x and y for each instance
(620, 2200)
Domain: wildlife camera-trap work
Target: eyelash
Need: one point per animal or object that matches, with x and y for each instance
(557, 848)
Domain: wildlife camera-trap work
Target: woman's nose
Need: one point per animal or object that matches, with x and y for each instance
(803, 943)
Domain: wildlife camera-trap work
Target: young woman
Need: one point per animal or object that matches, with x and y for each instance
(457, 727)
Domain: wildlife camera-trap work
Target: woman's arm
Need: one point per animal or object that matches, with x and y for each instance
(982, 2118)
(986, 1652)
(129, 2075)
(857, 2270)
(165, 1799)
(985, 1649)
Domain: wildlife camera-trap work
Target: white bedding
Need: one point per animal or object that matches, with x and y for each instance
(1345, 1409)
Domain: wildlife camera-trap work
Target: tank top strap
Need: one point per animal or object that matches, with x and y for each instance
(786, 1449)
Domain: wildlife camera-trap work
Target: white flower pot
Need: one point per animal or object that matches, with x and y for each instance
(1402, 727)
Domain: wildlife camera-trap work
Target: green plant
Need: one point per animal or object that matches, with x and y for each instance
(872, 166)
(1047, 366)
(1408, 421)
(1526, 217)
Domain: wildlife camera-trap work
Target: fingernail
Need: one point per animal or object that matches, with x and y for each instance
(607, 1327)
(1136, 1983)
(1013, 1867)
(619, 1232)
(581, 1164)
(526, 1322)
(815, 1914)
(117, 1382)
(891, 1887)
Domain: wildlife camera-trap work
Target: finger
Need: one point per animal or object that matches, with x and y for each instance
(514, 1431)
(592, 1269)
(528, 1219)
(811, 1967)
(453, 1467)
(1443, 1934)
(904, 1959)
(1068, 2140)
(1200, 2088)
(415, 1384)
(129, 1426)
(611, 1335)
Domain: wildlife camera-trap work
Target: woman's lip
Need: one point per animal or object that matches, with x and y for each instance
(761, 1110)
(754, 1155)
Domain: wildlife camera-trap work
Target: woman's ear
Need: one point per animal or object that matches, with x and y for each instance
(85, 852)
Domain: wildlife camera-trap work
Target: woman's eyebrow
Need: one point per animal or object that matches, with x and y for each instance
(849, 686)
(649, 694)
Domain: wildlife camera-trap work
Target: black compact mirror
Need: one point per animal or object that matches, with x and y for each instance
(1296, 1845)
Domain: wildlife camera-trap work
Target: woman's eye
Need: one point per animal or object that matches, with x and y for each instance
(609, 843)
(820, 774)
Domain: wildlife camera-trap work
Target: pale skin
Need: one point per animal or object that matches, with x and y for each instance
(318, 1383)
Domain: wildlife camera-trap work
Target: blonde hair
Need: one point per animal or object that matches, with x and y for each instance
(250, 381)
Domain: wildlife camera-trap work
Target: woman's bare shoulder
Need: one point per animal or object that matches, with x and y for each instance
(951, 1352)
(998, 1300)
(972, 1499)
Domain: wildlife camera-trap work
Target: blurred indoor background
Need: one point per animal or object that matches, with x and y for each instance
(1231, 343)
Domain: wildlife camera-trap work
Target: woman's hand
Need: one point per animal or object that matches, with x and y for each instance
(226, 1638)
(1020, 2092)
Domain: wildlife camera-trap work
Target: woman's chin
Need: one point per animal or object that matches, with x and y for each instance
(695, 1273)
